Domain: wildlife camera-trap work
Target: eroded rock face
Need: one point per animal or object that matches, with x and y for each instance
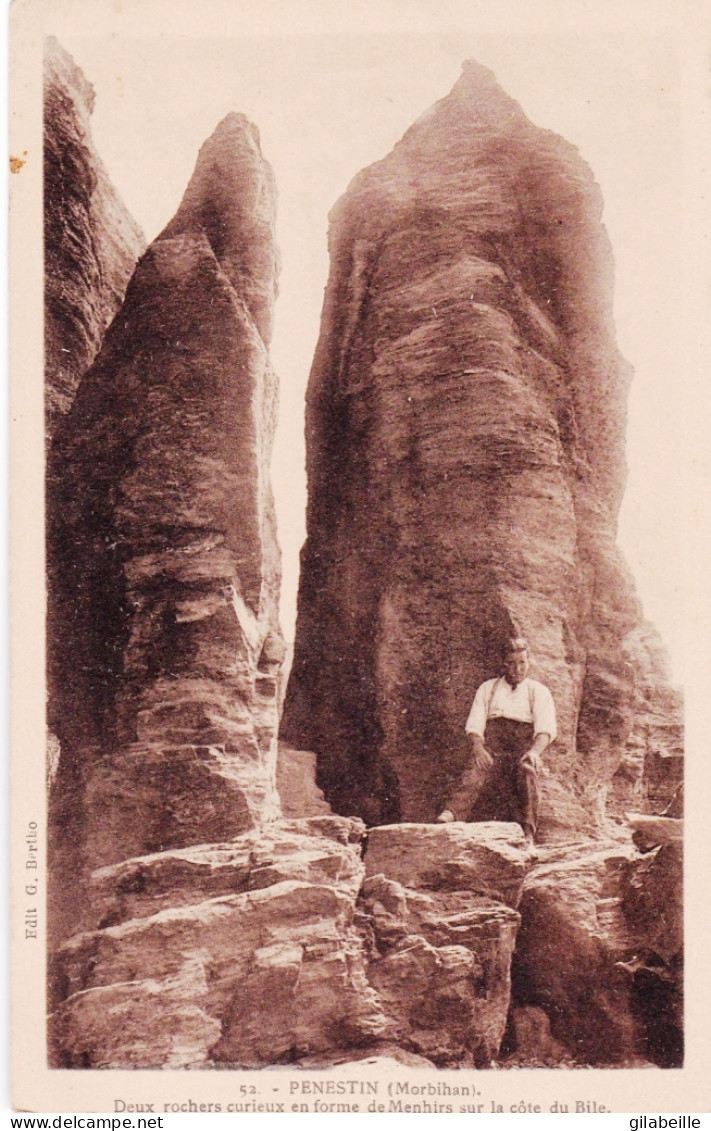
(531, 1036)
(650, 774)
(485, 858)
(573, 934)
(164, 571)
(600, 951)
(437, 907)
(91, 243)
(465, 448)
(276, 948)
(440, 963)
(242, 953)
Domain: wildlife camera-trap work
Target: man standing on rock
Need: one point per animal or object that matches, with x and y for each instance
(511, 723)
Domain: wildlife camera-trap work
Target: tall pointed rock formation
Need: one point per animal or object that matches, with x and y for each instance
(164, 642)
(91, 243)
(465, 447)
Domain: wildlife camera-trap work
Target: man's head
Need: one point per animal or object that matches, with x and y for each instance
(515, 660)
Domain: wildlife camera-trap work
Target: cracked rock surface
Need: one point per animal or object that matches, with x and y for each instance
(275, 948)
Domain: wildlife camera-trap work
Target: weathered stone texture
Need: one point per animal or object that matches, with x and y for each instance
(440, 963)
(531, 1037)
(600, 952)
(249, 948)
(296, 783)
(91, 243)
(164, 571)
(437, 907)
(465, 447)
(485, 858)
(276, 948)
(650, 773)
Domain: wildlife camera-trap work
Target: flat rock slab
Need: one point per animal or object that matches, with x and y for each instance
(651, 832)
(321, 850)
(485, 858)
(296, 783)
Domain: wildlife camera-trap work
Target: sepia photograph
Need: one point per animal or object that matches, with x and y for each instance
(359, 432)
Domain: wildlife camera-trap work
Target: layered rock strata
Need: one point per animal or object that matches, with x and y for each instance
(600, 951)
(309, 943)
(439, 908)
(276, 947)
(163, 637)
(242, 953)
(465, 415)
(91, 243)
(465, 448)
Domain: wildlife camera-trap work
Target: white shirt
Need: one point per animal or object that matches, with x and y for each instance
(530, 702)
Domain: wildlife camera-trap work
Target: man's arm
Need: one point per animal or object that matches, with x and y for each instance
(480, 755)
(476, 725)
(532, 757)
(544, 726)
(478, 715)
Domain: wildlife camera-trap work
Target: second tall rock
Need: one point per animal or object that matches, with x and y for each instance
(164, 571)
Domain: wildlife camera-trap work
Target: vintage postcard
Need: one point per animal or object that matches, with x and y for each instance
(359, 624)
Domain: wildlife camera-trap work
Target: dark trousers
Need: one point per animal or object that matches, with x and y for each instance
(506, 790)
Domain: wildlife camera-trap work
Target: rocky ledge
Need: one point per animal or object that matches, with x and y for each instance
(308, 941)
(276, 947)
